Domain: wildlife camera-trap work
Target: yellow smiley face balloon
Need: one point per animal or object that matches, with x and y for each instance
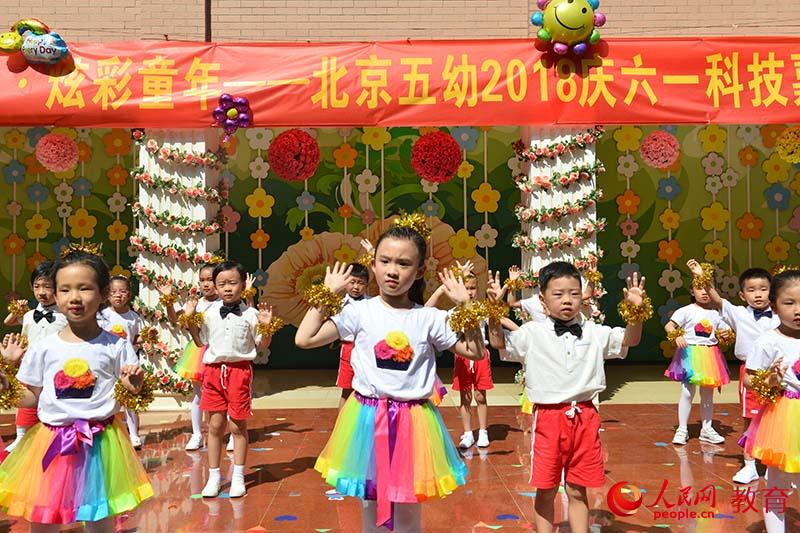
(569, 24)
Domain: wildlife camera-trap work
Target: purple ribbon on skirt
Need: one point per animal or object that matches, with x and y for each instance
(68, 439)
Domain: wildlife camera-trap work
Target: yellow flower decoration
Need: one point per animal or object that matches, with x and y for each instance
(75, 367)
(119, 270)
(307, 233)
(713, 138)
(716, 251)
(463, 244)
(345, 254)
(628, 138)
(260, 203)
(396, 340)
(117, 231)
(82, 224)
(775, 168)
(715, 217)
(777, 249)
(485, 198)
(37, 226)
(465, 169)
(15, 140)
(376, 138)
(669, 219)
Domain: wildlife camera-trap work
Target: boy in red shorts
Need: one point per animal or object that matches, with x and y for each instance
(564, 370)
(356, 292)
(233, 332)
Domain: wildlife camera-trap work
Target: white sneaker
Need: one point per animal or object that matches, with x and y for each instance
(237, 489)
(211, 490)
(467, 440)
(229, 447)
(136, 442)
(709, 435)
(746, 475)
(681, 436)
(195, 442)
(10, 447)
(483, 439)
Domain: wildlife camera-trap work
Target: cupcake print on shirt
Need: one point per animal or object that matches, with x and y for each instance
(703, 328)
(75, 380)
(119, 331)
(394, 352)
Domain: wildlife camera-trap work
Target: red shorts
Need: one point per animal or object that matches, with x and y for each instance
(478, 377)
(227, 387)
(345, 378)
(568, 444)
(750, 404)
(27, 417)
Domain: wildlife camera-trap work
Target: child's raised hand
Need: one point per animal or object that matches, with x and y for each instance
(694, 267)
(249, 281)
(466, 268)
(366, 245)
(336, 278)
(191, 305)
(132, 377)
(454, 287)
(264, 313)
(165, 287)
(776, 373)
(514, 272)
(634, 292)
(11, 349)
(494, 289)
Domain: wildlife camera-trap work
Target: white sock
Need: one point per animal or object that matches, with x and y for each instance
(132, 419)
(238, 472)
(213, 474)
(707, 406)
(21, 431)
(775, 521)
(197, 413)
(750, 463)
(685, 404)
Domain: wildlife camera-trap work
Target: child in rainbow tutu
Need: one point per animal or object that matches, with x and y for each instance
(77, 465)
(773, 373)
(390, 446)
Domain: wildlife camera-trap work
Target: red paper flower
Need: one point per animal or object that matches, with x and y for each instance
(436, 156)
(57, 153)
(294, 155)
(660, 149)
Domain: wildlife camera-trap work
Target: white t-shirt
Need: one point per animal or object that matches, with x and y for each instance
(770, 346)
(743, 321)
(231, 339)
(564, 368)
(349, 299)
(36, 331)
(126, 325)
(394, 350)
(699, 324)
(77, 378)
(534, 308)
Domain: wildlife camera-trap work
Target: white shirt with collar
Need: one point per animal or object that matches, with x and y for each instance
(36, 331)
(534, 308)
(565, 368)
(743, 321)
(231, 339)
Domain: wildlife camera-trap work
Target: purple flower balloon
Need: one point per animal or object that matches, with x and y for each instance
(244, 120)
(219, 116)
(230, 126)
(225, 101)
(241, 104)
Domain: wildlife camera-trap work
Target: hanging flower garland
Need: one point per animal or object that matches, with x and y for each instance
(436, 157)
(173, 251)
(168, 381)
(57, 153)
(788, 145)
(149, 277)
(660, 149)
(576, 174)
(169, 185)
(150, 314)
(293, 155)
(212, 160)
(176, 223)
(577, 142)
(583, 264)
(155, 350)
(563, 241)
(548, 214)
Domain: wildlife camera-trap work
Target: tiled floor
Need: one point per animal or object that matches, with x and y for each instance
(286, 494)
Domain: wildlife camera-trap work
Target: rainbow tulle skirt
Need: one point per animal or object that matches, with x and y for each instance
(80, 473)
(699, 365)
(190, 365)
(391, 451)
(439, 391)
(774, 436)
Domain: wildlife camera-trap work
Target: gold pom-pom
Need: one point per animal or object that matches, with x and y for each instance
(788, 145)
(215, 260)
(778, 269)
(18, 308)
(634, 314)
(367, 259)
(168, 299)
(136, 402)
(726, 338)
(195, 319)
(467, 316)
(593, 276)
(249, 293)
(269, 330)
(319, 295)
(704, 280)
(415, 221)
(86, 248)
(9, 398)
(149, 334)
(674, 334)
(759, 384)
(514, 284)
(495, 310)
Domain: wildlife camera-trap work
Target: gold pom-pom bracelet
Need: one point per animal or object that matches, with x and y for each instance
(195, 319)
(634, 314)
(593, 276)
(674, 334)
(726, 338)
(467, 316)
(495, 310)
(168, 299)
(9, 398)
(149, 335)
(704, 279)
(272, 328)
(249, 293)
(366, 259)
(759, 384)
(18, 308)
(136, 401)
(320, 296)
(514, 284)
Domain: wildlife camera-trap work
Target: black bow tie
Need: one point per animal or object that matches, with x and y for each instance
(760, 313)
(226, 310)
(47, 315)
(561, 328)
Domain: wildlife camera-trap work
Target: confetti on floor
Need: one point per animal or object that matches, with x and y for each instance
(661, 444)
(528, 494)
(506, 517)
(285, 518)
(261, 449)
(196, 496)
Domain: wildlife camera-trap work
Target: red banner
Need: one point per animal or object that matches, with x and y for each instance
(411, 83)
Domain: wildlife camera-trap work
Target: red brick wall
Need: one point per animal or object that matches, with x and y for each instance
(336, 20)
